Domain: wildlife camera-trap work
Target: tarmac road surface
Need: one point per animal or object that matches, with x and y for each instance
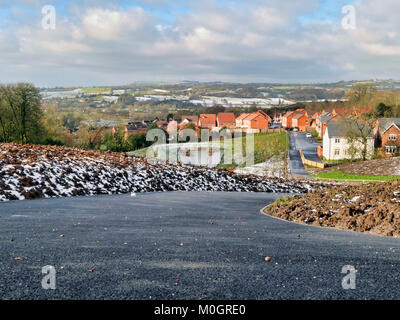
(184, 246)
(298, 140)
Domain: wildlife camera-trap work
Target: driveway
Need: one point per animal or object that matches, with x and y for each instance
(298, 140)
(184, 246)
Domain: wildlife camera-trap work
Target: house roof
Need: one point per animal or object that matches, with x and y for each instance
(304, 111)
(254, 115)
(299, 116)
(242, 116)
(289, 113)
(317, 114)
(341, 129)
(208, 118)
(386, 123)
(191, 118)
(326, 117)
(226, 117)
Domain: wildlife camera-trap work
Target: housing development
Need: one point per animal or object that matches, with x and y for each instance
(199, 159)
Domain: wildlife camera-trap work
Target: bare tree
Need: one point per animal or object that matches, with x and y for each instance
(357, 133)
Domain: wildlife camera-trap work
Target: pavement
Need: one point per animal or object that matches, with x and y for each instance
(184, 246)
(298, 140)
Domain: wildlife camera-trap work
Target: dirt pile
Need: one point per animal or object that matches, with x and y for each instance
(377, 167)
(32, 171)
(373, 208)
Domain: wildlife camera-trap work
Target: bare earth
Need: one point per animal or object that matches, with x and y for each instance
(32, 171)
(378, 167)
(372, 208)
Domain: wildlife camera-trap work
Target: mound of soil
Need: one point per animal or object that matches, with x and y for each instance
(373, 208)
(377, 167)
(33, 171)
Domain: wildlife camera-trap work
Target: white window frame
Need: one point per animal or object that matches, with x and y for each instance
(391, 149)
(392, 137)
(337, 140)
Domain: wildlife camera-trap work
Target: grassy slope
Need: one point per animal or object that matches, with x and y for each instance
(339, 175)
(266, 145)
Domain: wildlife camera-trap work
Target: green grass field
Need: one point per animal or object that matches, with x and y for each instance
(266, 146)
(339, 175)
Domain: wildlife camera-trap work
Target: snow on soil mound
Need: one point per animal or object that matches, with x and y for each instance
(31, 171)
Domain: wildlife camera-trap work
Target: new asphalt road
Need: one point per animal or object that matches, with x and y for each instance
(184, 246)
(299, 140)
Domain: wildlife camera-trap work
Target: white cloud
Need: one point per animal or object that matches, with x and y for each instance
(105, 24)
(255, 42)
(268, 18)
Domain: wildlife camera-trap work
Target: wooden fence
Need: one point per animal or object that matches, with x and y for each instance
(309, 162)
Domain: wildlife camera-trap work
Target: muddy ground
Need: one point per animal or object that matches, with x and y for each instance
(372, 208)
(32, 171)
(377, 167)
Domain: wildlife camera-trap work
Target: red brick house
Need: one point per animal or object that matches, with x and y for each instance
(208, 121)
(323, 120)
(301, 121)
(257, 120)
(239, 120)
(291, 119)
(188, 119)
(287, 119)
(387, 136)
(226, 120)
(134, 128)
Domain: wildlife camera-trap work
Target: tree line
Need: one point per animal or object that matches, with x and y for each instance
(24, 120)
(21, 114)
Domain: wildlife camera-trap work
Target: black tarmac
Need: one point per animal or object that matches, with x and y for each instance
(184, 246)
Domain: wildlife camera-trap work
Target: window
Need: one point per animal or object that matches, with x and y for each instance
(337, 140)
(392, 137)
(337, 152)
(391, 149)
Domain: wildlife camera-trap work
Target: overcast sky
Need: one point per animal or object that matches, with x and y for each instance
(120, 41)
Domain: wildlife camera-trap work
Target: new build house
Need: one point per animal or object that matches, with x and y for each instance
(344, 140)
(255, 120)
(296, 119)
(387, 136)
(226, 120)
(301, 121)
